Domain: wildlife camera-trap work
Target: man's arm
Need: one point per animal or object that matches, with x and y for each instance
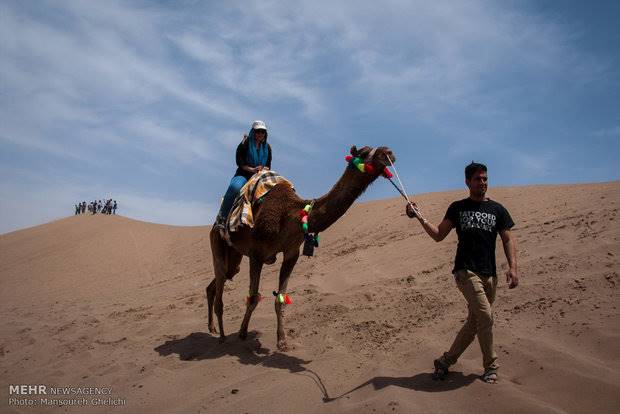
(437, 233)
(510, 249)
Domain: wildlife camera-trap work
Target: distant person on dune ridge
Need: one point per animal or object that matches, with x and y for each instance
(477, 220)
(114, 207)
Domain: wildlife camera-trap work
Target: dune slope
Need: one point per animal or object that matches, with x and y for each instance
(104, 301)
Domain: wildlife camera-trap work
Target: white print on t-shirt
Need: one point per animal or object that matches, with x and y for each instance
(477, 220)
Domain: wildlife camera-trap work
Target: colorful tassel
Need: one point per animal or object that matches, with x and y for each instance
(356, 162)
(283, 298)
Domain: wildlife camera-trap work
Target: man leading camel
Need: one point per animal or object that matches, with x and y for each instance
(477, 220)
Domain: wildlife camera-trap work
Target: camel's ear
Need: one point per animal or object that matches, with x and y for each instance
(354, 151)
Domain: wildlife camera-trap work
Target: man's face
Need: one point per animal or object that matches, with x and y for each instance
(478, 183)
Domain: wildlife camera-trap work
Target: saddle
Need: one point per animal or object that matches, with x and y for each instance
(250, 194)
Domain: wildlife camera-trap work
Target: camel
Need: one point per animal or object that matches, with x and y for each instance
(277, 229)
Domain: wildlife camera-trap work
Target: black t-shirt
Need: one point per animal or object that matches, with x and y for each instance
(477, 224)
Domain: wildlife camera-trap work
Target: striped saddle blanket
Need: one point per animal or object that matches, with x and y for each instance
(257, 186)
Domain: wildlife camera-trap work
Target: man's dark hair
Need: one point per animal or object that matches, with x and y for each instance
(472, 168)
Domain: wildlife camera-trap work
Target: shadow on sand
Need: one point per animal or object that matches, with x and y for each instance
(199, 346)
(419, 382)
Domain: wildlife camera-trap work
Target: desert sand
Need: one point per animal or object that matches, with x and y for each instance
(105, 301)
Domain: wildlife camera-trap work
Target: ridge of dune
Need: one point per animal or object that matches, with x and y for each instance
(109, 301)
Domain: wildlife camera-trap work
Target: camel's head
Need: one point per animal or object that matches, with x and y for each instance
(378, 157)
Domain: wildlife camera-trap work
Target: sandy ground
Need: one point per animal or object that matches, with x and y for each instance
(104, 301)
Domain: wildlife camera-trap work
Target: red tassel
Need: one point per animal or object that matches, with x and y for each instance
(387, 173)
(369, 168)
(288, 300)
(348, 158)
(248, 299)
(302, 214)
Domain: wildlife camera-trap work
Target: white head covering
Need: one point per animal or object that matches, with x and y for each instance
(259, 125)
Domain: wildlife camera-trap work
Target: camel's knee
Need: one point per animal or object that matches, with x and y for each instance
(232, 272)
(252, 301)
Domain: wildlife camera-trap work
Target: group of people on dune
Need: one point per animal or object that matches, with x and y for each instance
(96, 206)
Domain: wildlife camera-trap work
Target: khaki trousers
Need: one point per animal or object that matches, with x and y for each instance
(479, 291)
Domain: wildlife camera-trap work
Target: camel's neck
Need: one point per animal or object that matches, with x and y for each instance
(334, 204)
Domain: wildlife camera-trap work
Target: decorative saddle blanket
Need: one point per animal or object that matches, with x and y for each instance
(257, 186)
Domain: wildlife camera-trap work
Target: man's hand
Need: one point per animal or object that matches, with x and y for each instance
(512, 278)
(411, 212)
(510, 248)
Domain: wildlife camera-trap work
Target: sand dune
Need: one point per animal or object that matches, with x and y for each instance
(105, 301)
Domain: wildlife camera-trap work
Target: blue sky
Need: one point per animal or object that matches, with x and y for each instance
(145, 102)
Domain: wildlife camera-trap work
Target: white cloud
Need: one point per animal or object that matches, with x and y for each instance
(89, 73)
(261, 71)
(168, 142)
(156, 209)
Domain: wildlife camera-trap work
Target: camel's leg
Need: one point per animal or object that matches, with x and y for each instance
(210, 300)
(226, 262)
(233, 260)
(290, 259)
(219, 304)
(218, 254)
(256, 265)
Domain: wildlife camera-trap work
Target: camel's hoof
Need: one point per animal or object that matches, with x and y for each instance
(243, 335)
(283, 346)
(212, 330)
